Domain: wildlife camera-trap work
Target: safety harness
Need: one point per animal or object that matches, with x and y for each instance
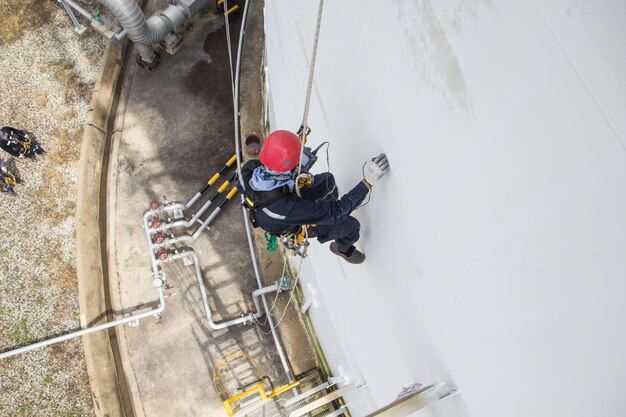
(249, 200)
(258, 200)
(294, 239)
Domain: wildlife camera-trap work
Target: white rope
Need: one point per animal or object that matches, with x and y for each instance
(236, 116)
(309, 87)
(304, 124)
(305, 117)
(230, 54)
(291, 296)
(275, 297)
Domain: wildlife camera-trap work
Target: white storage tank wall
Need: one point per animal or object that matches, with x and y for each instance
(496, 246)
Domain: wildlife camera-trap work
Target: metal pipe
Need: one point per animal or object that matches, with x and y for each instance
(164, 209)
(237, 115)
(260, 292)
(186, 238)
(144, 32)
(77, 26)
(180, 206)
(212, 181)
(190, 222)
(215, 212)
(89, 330)
(207, 309)
(79, 9)
(155, 267)
(120, 36)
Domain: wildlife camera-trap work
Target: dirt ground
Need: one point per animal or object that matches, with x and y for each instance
(47, 73)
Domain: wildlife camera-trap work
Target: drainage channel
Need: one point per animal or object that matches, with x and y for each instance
(122, 385)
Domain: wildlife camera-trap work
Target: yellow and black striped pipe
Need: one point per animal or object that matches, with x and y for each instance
(219, 173)
(232, 9)
(229, 196)
(224, 185)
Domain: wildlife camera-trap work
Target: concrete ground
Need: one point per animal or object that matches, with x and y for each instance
(173, 130)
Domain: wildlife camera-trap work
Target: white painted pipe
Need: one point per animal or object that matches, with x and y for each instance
(79, 333)
(146, 227)
(164, 209)
(207, 309)
(206, 223)
(192, 201)
(260, 292)
(178, 206)
(185, 223)
(80, 10)
(144, 32)
(182, 238)
(237, 115)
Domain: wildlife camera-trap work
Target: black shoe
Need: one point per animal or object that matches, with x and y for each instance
(353, 256)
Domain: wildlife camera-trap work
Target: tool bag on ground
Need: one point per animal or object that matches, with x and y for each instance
(7, 179)
(19, 143)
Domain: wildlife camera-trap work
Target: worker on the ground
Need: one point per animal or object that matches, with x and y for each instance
(277, 209)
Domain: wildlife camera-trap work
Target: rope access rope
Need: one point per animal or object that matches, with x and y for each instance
(291, 296)
(309, 87)
(230, 54)
(235, 89)
(246, 220)
(256, 320)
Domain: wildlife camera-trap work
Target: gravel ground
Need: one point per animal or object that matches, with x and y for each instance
(46, 79)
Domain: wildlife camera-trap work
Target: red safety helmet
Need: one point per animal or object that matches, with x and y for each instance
(281, 151)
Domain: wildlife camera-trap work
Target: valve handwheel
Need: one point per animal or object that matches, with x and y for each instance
(158, 238)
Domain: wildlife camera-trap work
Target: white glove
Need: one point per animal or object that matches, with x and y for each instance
(375, 168)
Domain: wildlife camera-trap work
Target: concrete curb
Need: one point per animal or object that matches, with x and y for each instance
(89, 263)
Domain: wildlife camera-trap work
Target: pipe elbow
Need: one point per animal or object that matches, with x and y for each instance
(142, 31)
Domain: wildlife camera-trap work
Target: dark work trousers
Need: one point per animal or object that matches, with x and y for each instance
(344, 233)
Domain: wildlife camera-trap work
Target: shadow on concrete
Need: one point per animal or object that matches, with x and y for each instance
(178, 130)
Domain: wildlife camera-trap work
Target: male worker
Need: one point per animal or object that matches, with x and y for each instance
(277, 209)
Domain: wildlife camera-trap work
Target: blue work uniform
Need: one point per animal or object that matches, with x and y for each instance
(319, 206)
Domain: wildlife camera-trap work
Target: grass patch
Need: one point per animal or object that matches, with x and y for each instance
(48, 207)
(68, 147)
(69, 116)
(67, 77)
(17, 332)
(64, 274)
(63, 64)
(18, 16)
(41, 99)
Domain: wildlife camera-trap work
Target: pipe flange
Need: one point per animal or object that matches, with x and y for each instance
(155, 223)
(158, 239)
(285, 283)
(162, 255)
(154, 205)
